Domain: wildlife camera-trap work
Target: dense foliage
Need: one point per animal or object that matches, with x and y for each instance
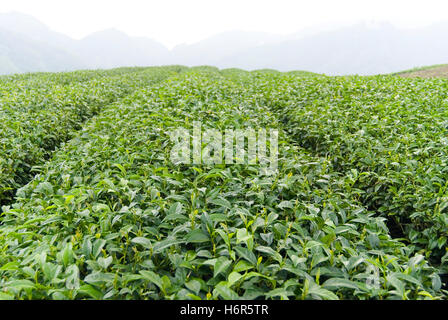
(39, 111)
(360, 189)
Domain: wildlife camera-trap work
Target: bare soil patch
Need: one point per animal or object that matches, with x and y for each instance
(436, 72)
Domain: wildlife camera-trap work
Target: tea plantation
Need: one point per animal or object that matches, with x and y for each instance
(93, 207)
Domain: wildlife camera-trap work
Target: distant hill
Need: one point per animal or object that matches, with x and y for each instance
(214, 49)
(28, 45)
(359, 49)
(112, 48)
(33, 29)
(19, 53)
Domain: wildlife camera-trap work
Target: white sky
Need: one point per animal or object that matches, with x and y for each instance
(178, 21)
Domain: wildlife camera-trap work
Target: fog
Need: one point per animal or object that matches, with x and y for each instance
(331, 37)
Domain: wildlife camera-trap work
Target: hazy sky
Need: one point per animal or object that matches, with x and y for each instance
(177, 21)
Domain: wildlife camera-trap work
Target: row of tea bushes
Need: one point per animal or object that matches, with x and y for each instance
(39, 112)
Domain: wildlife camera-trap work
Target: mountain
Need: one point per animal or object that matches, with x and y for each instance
(27, 45)
(213, 49)
(21, 54)
(32, 28)
(359, 49)
(112, 48)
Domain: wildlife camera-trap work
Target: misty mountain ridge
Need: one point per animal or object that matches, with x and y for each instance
(27, 45)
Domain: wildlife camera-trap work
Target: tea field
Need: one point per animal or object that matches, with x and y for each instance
(93, 208)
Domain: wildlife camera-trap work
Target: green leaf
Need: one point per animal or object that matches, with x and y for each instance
(270, 252)
(225, 292)
(145, 242)
(322, 293)
(242, 265)
(91, 291)
(98, 245)
(50, 270)
(194, 286)
(247, 254)
(68, 254)
(104, 262)
(153, 278)
(336, 283)
(162, 245)
(197, 236)
(233, 278)
(5, 296)
(20, 285)
(221, 265)
(279, 292)
(99, 278)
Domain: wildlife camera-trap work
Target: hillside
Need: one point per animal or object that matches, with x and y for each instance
(438, 71)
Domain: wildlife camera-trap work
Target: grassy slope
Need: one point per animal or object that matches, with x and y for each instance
(434, 71)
